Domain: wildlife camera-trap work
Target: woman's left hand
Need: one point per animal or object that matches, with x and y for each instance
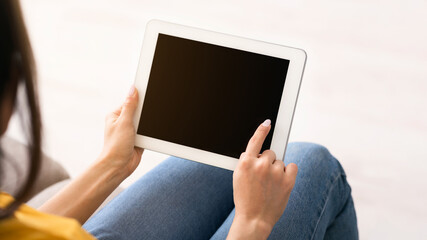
(119, 151)
(118, 159)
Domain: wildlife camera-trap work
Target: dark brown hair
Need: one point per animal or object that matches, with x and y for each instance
(17, 68)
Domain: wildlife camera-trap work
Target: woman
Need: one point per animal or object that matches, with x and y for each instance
(178, 199)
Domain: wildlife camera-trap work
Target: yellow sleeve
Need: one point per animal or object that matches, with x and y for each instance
(28, 223)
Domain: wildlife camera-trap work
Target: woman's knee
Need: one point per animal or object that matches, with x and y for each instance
(312, 160)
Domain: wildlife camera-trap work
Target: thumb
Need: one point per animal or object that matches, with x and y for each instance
(129, 106)
(291, 171)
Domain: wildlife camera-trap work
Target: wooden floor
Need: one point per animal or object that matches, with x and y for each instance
(363, 94)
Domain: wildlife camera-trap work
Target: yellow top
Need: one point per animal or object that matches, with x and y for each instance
(28, 223)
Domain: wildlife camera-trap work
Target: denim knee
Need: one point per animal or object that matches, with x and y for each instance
(313, 160)
(318, 173)
(320, 194)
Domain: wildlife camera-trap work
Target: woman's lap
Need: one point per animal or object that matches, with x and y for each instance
(181, 199)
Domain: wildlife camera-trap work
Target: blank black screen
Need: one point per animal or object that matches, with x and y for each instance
(210, 97)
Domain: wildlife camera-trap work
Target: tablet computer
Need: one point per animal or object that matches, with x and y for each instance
(203, 93)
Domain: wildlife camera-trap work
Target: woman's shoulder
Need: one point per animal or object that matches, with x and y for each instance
(28, 223)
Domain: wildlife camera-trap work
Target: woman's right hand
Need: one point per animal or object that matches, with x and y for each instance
(262, 186)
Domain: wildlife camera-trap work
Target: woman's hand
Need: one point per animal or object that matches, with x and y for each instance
(119, 138)
(262, 186)
(118, 160)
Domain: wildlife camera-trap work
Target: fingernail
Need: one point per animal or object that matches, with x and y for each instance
(266, 123)
(131, 90)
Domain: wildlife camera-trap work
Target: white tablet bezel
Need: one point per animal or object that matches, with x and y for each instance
(296, 57)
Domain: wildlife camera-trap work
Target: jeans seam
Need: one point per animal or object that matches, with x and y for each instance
(324, 205)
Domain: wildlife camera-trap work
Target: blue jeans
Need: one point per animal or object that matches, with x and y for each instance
(181, 199)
